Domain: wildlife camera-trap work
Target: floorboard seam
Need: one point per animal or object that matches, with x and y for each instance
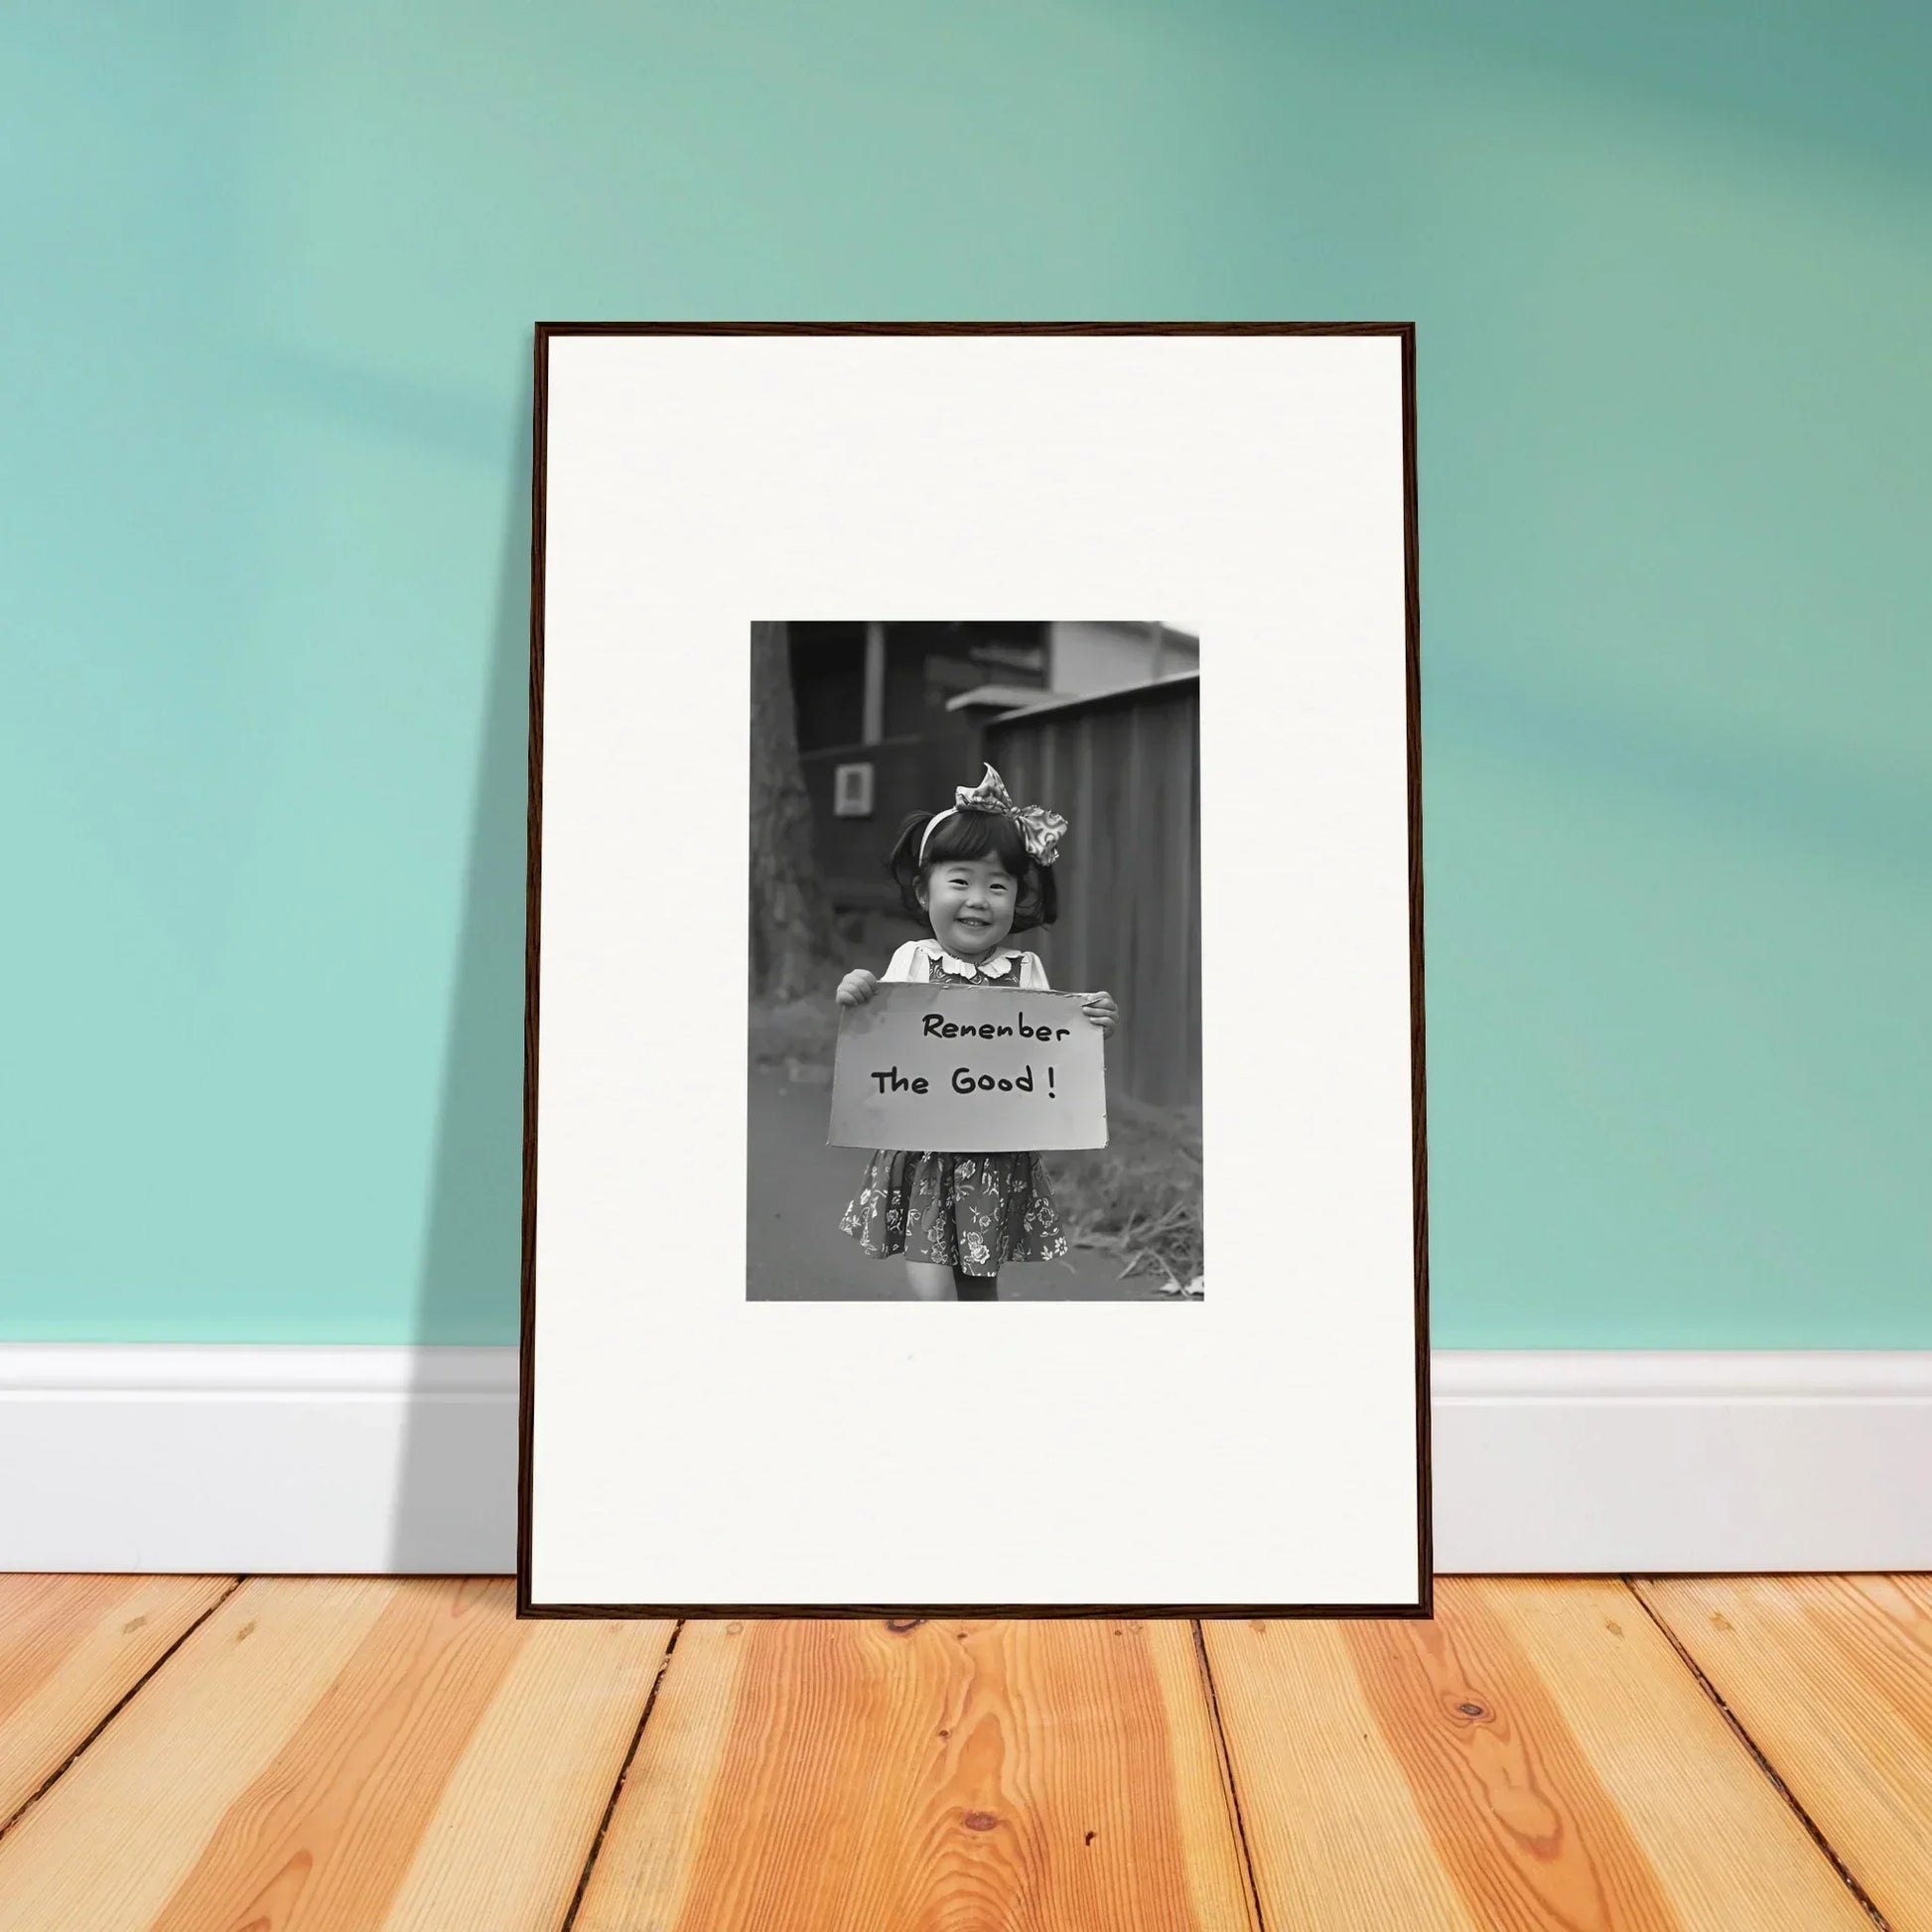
(133, 1691)
(1222, 1751)
(1764, 1763)
(616, 1789)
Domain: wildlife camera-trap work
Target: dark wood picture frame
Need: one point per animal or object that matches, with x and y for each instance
(1423, 1607)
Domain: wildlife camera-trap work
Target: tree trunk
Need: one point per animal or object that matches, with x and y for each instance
(791, 918)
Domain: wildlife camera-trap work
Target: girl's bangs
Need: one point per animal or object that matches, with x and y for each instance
(972, 834)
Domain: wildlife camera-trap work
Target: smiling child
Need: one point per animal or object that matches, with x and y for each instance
(972, 875)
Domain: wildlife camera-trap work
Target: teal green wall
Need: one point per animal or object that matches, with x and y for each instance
(269, 274)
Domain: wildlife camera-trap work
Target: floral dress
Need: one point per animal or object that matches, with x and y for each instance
(970, 1211)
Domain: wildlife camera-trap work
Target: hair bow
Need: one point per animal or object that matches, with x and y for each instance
(1039, 829)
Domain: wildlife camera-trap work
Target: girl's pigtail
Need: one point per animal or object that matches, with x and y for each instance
(1045, 906)
(903, 862)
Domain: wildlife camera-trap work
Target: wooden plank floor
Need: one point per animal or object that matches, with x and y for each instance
(275, 1754)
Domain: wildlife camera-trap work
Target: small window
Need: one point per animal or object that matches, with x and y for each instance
(852, 791)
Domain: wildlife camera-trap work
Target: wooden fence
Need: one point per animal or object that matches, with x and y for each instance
(1124, 767)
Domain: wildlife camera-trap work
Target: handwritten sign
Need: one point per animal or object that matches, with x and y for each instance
(968, 1070)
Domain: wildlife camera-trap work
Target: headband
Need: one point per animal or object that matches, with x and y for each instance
(1039, 829)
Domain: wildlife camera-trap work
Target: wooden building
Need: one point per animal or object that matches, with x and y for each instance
(1124, 767)
(894, 717)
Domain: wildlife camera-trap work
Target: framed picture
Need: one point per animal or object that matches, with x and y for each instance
(974, 857)
(852, 790)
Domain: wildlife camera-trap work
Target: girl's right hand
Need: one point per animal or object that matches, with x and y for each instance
(857, 987)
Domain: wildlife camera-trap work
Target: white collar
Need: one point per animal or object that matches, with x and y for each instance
(1001, 962)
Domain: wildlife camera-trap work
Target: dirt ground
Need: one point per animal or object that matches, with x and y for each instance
(795, 1249)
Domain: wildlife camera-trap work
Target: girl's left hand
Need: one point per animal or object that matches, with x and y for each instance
(1101, 1010)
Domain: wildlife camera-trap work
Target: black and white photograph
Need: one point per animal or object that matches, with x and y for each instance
(1007, 812)
(974, 801)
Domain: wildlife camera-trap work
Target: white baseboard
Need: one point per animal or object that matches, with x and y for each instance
(403, 1460)
(265, 1460)
(1592, 1461)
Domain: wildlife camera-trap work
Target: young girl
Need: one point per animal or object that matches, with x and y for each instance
(971, 875)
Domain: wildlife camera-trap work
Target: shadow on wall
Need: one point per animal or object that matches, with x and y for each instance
(456, 1489)
(1786, 794)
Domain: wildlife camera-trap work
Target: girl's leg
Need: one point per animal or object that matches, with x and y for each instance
(931, 1281)
(975, 1288)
